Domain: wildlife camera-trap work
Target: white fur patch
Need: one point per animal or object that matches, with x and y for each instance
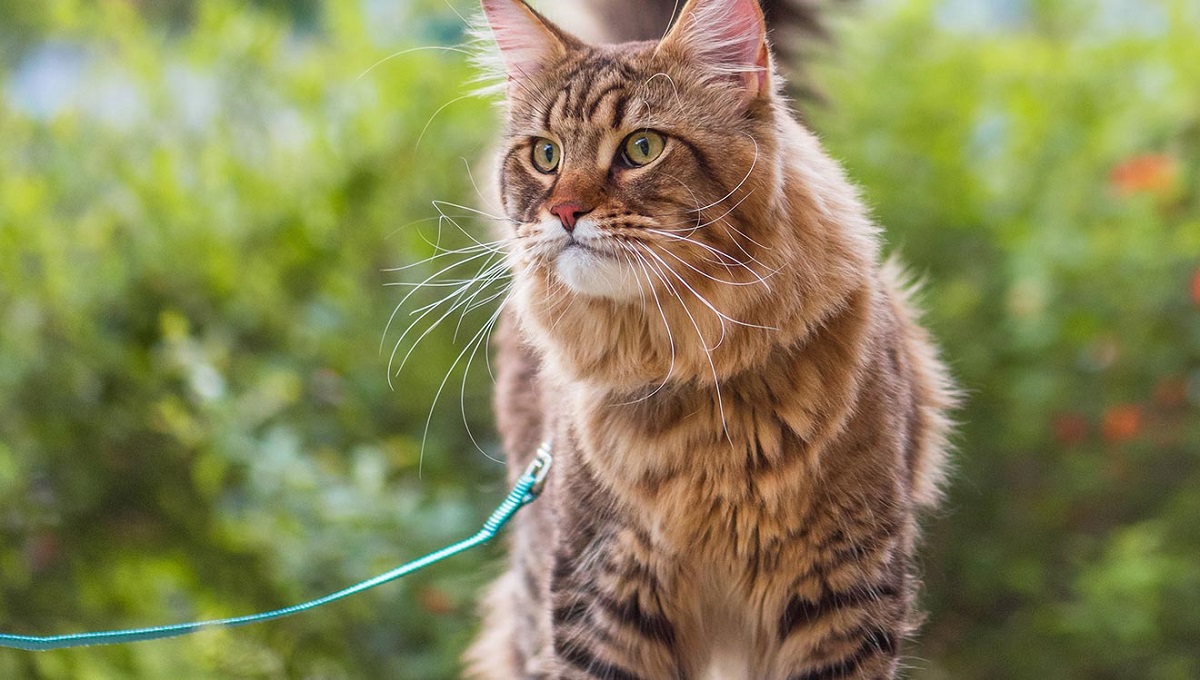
(726, 664)
(589, 263)
(596, 274)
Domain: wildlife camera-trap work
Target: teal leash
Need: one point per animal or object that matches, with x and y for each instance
(524, 492)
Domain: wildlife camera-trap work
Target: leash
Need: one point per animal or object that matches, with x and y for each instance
(525, 491)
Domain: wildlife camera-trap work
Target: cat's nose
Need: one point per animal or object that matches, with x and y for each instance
(568, 212)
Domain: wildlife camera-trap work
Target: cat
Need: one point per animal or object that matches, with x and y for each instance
(744, 414)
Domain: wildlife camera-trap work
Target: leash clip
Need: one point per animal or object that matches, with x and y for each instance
(539, 468)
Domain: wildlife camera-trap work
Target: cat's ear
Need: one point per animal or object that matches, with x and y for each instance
(526, 39)
(729, 36)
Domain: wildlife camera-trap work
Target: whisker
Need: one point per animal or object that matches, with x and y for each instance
(724, 259)
(666, 324)
(623, 250)
(461, 18)
(728, 225)
(753, 163)
(441, 108)
(458, 263)
(402, 227)
(432, 284)
(485, 199)
(427, 310)
(707, 351)
(461, 300)
(437, 396)
(400, 305)
(739, 232)
(473, 303)
(700, 224)
(695, 198)
(480, 249)
(401, 53)
(486, 333)
(473, 211)
(499, 243)
(484, 278)
(721, 315)
(727, 262)
(663, 266)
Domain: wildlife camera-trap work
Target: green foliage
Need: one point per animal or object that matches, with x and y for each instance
(196, 229)
(1045, 177)
(195, 414)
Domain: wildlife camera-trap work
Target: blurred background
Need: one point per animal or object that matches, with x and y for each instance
(203, 206)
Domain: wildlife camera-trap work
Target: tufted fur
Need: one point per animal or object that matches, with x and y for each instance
(745, 415)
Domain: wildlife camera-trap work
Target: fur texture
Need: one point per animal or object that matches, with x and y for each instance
(745, 416)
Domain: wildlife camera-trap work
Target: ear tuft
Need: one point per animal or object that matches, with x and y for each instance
(525, 38)
(728, 36)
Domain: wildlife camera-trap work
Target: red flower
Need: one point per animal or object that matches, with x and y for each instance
(1122, 422)
(1196, 287)
(1151, 173)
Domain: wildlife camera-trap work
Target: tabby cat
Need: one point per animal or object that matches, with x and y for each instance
(745, 416)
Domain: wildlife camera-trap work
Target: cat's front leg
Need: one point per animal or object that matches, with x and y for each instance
(852, 633)
(607, 620)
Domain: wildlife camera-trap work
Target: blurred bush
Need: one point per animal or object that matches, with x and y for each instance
(1040, 162)
(195, 412)
(200, 204)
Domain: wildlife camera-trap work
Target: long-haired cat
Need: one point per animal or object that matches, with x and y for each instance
(744, 415)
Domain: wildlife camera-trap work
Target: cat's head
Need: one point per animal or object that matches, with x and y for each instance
(644, 182)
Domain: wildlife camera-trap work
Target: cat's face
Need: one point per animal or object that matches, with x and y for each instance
(668, 218)
(625, 166)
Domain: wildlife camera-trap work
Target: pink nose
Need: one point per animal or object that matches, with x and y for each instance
(568, 212)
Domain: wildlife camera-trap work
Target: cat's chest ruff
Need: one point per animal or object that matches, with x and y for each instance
(700, 472)
(706, 503)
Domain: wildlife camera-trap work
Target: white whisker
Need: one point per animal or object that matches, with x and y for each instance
(724, 260)
(750, 171)
(705, 348)
(417, 287)
(480, 249)
(485, 199)
(666, 324)
(483, 340)
(456, 295)
(720, 315)
(473, 211)
(401, 53)
(470, 346)
(441, 108)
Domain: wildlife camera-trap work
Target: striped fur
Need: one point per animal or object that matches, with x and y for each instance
(746, 418)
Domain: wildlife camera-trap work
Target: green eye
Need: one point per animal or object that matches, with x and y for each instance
(546, 155)
(642, 147)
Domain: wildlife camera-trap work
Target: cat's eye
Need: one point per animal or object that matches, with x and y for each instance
(546, 155)
(642, 147)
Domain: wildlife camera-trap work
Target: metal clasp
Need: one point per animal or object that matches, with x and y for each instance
(539, 468)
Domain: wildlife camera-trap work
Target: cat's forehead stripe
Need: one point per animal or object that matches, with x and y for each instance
(548, 117)
(589, 109)
(584, 87)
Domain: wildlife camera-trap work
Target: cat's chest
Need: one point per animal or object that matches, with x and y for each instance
(721, 481)
(724, 631)
(716, 519)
